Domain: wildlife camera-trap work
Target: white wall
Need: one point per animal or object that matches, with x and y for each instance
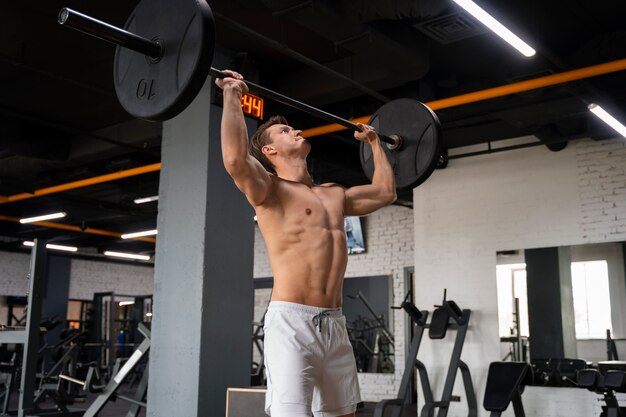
(526, 198)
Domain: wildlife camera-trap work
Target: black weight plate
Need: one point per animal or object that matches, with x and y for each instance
(160, 89)
(420, 129)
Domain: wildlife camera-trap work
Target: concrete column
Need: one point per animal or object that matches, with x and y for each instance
(55, 300)
(203, 289)
(550, 305)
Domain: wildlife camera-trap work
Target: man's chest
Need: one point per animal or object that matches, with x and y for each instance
(317, 205)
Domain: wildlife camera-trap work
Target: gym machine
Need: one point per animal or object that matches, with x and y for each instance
(557, 372)
(119, 374)
(608, 379)
(611, 348)
(505, 384)
(29, 338)
(111, 328)
(419, 319)
(446, 316)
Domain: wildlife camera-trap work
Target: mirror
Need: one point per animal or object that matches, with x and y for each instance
(563, 302)
(366, 305)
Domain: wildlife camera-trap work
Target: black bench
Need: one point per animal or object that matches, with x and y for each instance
(505, 384)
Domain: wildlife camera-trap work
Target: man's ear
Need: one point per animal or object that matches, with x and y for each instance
(268, 150)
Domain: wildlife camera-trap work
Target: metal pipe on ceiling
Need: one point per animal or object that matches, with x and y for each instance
(72, 228)
(82, 183)
(536, 83)
(489, 93)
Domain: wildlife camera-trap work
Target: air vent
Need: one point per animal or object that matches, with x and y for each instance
(451, 28)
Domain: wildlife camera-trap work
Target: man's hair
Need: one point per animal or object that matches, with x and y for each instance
(261, 138)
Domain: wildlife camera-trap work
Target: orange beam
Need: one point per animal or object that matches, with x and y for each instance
(72, 228)
(82, 183)
(504, 90)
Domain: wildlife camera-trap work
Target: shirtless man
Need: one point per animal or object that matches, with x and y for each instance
(310, 365)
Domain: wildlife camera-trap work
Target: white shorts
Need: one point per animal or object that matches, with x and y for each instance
(309, 362)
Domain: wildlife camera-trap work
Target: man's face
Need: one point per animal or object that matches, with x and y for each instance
(287, 140)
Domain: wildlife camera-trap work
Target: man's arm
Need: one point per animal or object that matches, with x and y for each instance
(364, 199)
(249, 175)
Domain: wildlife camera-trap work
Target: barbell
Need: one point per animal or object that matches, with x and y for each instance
(164, 55)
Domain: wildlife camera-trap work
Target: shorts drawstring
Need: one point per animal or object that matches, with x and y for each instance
(318, 318)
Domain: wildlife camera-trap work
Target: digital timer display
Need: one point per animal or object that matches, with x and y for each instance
(252, 105)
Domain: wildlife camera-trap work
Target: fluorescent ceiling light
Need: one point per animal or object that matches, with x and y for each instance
(53, 246)
(44, 217)
(607, 118)
(500, 30)
(126, 303)
(139, 234)
(146, 199)
(127, 255)
(148, 314)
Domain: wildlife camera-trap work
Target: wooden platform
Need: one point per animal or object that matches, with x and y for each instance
(245, 402)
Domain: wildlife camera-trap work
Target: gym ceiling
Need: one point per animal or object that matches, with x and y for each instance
(60, 120)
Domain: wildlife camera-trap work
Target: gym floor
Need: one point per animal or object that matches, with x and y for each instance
(120, 408)
(111, 409)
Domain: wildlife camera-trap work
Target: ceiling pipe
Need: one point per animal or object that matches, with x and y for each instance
(489, 93)
(82, 183)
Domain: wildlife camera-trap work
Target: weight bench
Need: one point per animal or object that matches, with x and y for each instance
(505, 384)
(606, 384)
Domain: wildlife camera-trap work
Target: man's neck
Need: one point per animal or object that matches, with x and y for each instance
(295, 170)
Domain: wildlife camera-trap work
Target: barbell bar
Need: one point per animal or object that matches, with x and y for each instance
(164, 55)
(154, 50)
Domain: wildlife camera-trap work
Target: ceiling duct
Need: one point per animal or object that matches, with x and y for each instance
(451, 28)
(407, 59)
(369, 10)
(33, 140)
(56, 149)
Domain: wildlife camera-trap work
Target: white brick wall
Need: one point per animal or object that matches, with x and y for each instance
(519, 199)
(389, 239)
(87, 277)
(13, 273)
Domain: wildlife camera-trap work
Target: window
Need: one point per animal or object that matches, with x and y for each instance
(511, 285)
(592, 304)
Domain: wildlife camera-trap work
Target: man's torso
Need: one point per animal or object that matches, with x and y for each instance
(304, 233)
